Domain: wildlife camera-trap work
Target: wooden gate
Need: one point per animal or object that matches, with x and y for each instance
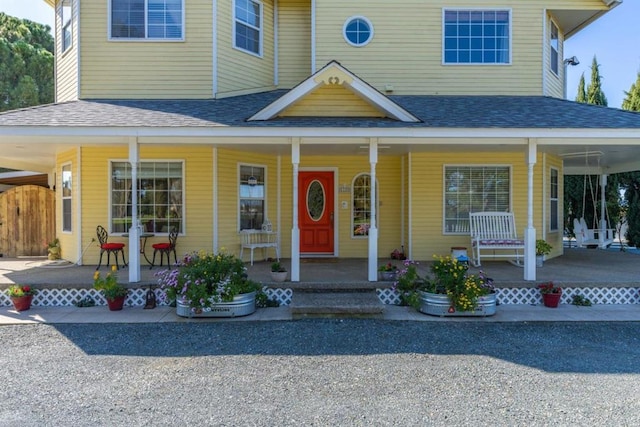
(27, 220)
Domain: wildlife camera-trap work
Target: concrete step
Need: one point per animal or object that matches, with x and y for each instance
(336, 304)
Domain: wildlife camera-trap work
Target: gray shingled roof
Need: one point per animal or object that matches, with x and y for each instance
(510, 112)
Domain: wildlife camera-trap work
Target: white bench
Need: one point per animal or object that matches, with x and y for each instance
(586, 237)
(256, 239)
(494, 232)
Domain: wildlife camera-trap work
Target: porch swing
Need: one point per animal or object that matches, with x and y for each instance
(595, 237)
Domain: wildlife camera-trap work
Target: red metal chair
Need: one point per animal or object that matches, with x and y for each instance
(165, 248)
(105, 246)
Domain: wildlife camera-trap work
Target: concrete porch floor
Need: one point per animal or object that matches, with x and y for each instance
(577, 267)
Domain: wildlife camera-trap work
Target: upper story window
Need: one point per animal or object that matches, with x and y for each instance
(247, 23)
(147, 19)
(477, 37)
(469, 189)
(358, 31)
(554, 50)
(252, 188)
(65, 18)
(160, 196)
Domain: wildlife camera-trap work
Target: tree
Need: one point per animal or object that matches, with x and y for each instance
(595, 95)
(632, 100)
(581, 97)
(26, 63)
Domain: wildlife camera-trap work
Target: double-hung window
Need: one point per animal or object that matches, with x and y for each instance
(469, 189)
(147, 19)
(553, 199)
(477, 36)
(160, 196)
(65, 18)
(554, 48)
(66, 197)
(361, 205)
(247, 23)
(252, 188)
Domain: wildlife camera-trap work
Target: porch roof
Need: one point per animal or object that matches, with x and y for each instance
(458, 112)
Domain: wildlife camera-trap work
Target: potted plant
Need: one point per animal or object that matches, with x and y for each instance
(21, 296)
(113, 292)
(53, 249)
(451, 292)
(542, 248)
(388, 272)
(210, 285)
(278, 272)
(551, 294)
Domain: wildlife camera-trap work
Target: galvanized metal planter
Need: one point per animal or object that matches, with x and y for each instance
(242, 305)
(439, 305)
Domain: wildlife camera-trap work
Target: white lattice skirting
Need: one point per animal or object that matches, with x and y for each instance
(532, 295)
(137, 297)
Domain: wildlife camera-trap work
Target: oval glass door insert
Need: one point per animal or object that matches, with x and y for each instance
(315, 200)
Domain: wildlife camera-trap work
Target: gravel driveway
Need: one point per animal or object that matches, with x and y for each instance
(320, 372)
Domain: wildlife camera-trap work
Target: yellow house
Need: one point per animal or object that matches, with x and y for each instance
(348, 129)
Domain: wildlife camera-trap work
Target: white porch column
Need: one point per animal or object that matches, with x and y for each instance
(373, 226)
(134, 231)
(530, 231)
(603, 219)
(295, 229)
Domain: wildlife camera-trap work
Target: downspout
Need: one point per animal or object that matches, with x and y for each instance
(214, 50)
(275, 43)
(313, 36)
(409, 208)
(544, 52)
(215, 240)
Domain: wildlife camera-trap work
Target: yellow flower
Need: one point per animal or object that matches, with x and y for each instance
(96, 275)
(114, 268)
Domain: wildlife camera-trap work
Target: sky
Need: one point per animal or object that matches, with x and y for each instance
(614, 39)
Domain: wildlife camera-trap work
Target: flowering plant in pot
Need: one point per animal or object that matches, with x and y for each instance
(114, 293)
(388, 271)
(551, 294)
(202, 281)
(21, 296)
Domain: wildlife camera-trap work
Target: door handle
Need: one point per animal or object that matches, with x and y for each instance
(331, 218)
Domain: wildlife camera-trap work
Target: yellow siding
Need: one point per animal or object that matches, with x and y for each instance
(146, 69)
(426, 203)
(332, 101)
(294, 42)
(68, 240)
(67, 62)
(238, 71)
(406, 51)
(198, 184)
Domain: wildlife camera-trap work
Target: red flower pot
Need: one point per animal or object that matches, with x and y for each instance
(22, 303)
(551, 300)
(116, 303)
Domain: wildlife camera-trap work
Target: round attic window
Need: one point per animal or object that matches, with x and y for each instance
(358, 31)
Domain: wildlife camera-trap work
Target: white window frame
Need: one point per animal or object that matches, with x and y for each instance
(66, 19)
(483, 9)
(146, 27)
(260, 31)
(67, 197)
(346, 24)
(456, 229)
(353, 187)
(554, 51)
(555, 199)
(182, 192)
(241, 198)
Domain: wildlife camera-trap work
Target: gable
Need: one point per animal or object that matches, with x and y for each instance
(331, 100)
(333, 91)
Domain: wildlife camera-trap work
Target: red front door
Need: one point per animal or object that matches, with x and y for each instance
(315, 212)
